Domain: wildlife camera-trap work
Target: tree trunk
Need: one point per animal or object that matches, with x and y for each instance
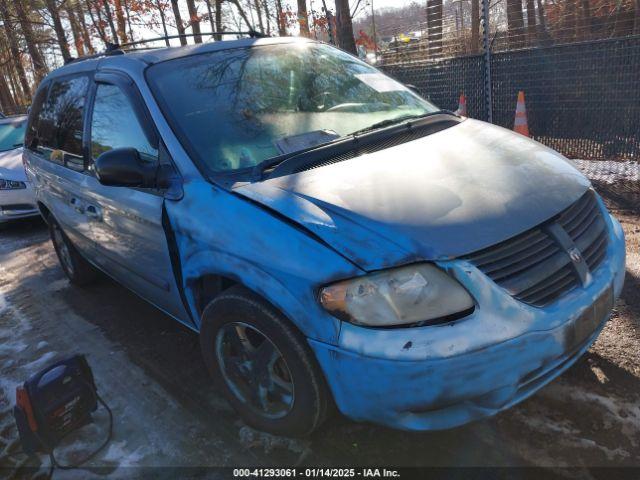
(163, 21)
(532, 27)
(15, 88)
(120, 21)
(267, 15)
(434, 27)
(636, 19)
(14, 48)
(6, 101)
(127, 14)
(194, 21)
(210, 15)
(256, 4)
(179, 24)
(58, 29)
(75, 30)
(84, 31)
(282, 27)
(219, 18)
(515, 22)
(39, 66)
(97, 24)
(303, 18)
(107, 12)
(542, 22)
(587, 19)
(345, 27)
(242, 13)
(475, 25)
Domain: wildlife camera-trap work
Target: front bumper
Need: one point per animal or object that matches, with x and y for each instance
(439, 377)
(15, 204)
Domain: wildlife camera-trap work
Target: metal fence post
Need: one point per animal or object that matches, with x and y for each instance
(486, 45)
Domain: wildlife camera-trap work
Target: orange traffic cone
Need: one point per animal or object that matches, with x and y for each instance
(521, 125)
(462, 106)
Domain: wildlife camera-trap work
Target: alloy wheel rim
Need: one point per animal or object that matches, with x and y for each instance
(255, 370)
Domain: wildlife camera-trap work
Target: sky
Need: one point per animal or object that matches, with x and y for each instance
(376, 3)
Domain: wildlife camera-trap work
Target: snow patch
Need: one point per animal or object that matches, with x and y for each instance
(119, 454)
(610, 172)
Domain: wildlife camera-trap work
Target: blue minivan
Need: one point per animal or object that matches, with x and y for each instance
(335, 239)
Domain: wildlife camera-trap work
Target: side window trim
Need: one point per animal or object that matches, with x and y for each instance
(128, 87)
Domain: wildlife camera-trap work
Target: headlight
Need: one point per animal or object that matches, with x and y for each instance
(400, 296)
(11, 184)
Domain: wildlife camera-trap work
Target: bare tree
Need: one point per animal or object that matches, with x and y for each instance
(39, 65)
(78, 41)
(57, 28)
(96, 21)
(179, 24)
(82, 24)
(346, 41)
(120, 20)
(515, 23)
(475, 25)
(282, 27)
(13, 47)
(219, 18)
(109, 15)
(532, 27)
(194, 21)
(303, 18)
(163, 21)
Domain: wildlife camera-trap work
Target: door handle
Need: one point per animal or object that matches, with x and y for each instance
(76, 204)
(93, 212)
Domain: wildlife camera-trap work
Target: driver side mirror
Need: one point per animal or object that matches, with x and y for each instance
(123, 167)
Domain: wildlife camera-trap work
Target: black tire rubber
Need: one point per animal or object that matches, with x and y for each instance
(82, 272)
(312, 400)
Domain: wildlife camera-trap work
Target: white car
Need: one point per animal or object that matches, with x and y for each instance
(16, 195)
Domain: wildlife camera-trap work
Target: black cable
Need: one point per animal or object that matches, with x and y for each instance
(55, 463)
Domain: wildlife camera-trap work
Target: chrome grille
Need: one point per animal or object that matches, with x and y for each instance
(534, 268)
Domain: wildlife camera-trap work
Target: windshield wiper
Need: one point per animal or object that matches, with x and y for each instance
(259, 169)
(395, 121)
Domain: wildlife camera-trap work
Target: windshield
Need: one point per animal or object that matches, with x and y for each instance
(235, 108)
(12, 134)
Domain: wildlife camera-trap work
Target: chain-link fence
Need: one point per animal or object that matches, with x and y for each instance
(577, 62)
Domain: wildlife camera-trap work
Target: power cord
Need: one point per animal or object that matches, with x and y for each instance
(54, 462)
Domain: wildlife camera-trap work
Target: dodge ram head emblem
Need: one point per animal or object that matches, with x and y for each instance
(575, 255)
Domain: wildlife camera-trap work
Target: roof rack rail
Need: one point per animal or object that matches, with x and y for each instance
(250, 33)
(111, 49)
(119, 49)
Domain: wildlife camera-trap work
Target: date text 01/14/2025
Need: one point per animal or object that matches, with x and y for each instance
(315, 472)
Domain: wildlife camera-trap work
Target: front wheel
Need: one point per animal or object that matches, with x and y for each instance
(263, 364)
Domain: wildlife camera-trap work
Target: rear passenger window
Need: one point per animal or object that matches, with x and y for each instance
(31, 134)
(114, 124)
(60, 126)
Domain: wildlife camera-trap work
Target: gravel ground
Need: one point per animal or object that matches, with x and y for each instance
(148, 369)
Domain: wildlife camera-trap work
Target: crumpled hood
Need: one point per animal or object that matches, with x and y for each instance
(11, 165)
(448, 194)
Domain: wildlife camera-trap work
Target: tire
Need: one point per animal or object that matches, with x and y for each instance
(76, 268)
(287, 365)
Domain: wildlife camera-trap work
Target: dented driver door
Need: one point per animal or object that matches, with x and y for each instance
(126, 223)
